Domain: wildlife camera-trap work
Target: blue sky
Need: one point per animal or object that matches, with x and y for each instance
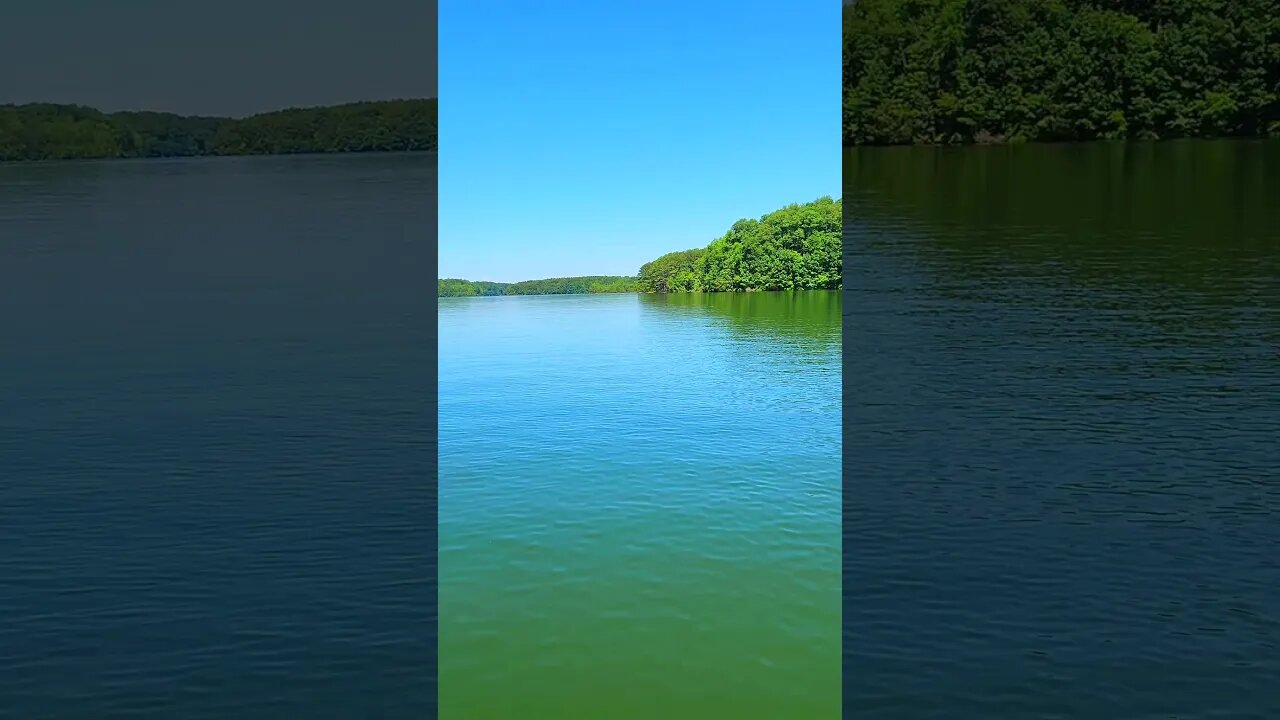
(238, 58)
(586, 138)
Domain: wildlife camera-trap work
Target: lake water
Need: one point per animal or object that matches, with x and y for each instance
(217, 438)
(1062, 405)
(640, 506)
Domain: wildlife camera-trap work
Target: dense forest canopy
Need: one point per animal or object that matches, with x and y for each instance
(795, 248)
(55, 132)
(453, 287)
(673, 272)
(953, 71)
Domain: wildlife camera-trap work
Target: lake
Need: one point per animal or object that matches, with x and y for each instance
(1062, 404)
(640, 506)
(217, 431)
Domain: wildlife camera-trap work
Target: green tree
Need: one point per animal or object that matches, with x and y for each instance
(794, 248)
(676, 271)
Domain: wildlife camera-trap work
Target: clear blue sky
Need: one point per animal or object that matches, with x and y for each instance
(586, 138)
(233, 57)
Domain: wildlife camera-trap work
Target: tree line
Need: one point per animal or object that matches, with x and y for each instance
(454, 287)
(794, 248)
(43, 131)
(961, 71)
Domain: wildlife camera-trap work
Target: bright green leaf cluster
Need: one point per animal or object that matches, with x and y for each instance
(795, 248)
(673, 272)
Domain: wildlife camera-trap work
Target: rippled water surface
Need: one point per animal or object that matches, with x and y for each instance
(216, 438)
(640, 506)
(1062, 477)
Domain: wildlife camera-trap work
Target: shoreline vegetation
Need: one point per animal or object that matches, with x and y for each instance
(588, 284)
(45, 131)
(1003, 71)
(794, 248)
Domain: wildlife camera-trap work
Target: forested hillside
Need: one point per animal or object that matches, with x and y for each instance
(795, 248)
(958, 71)
(52, 132)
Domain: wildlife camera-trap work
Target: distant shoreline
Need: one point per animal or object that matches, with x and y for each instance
(646, 292)
(316, 154)
(796, 247)
(581, 285)
(46, 132)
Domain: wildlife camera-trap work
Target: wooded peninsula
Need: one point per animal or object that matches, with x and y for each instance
(794, 248)
(965, 71)
(62, 132)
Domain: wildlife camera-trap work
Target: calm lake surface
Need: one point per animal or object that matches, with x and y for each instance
(640, 506)
(1062, 405)
(217, 438)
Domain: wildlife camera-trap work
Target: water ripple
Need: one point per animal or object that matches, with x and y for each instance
(1061, 411)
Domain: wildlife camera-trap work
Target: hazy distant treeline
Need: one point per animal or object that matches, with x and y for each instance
(52, 132)
(959, 71)
(452, 287)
